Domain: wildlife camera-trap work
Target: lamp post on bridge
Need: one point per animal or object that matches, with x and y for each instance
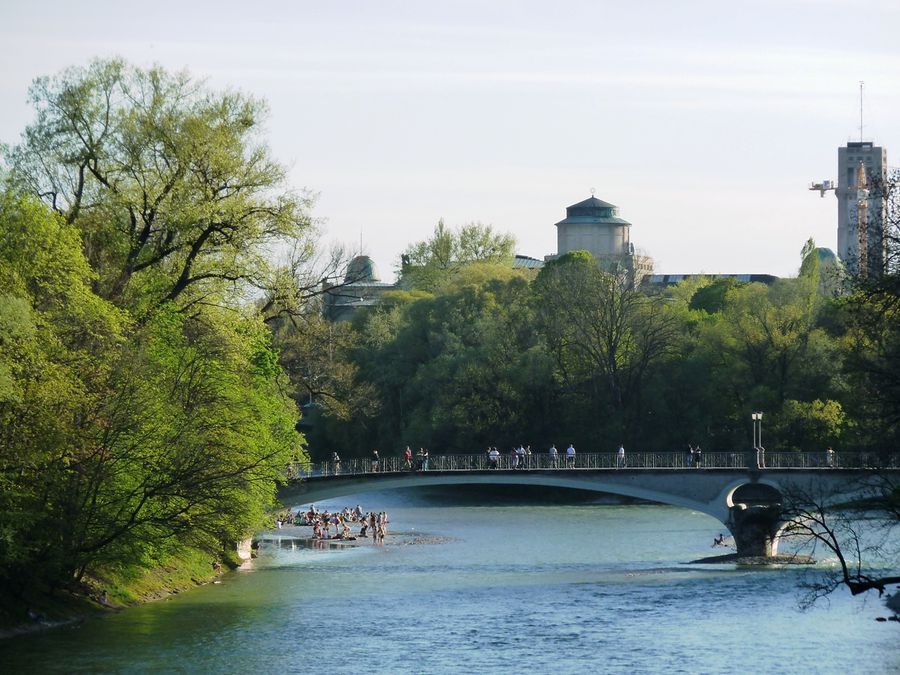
(757, 440)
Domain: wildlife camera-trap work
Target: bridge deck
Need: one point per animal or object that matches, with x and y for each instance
(757, 460)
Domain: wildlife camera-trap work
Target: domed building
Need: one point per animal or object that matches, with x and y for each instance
(362, 287)
(594, 225)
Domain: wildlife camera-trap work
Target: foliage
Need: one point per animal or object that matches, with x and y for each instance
(426, 265)
(173, 191)
(605, 336)
(143, 407)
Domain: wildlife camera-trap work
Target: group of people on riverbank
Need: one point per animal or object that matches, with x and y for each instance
(336, 526)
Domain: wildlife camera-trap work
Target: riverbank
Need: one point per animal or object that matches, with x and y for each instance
(109, 591)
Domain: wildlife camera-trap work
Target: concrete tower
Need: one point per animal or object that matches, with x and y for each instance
(872, 160)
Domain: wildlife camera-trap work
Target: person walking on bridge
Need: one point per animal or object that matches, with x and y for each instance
(376, 461)
(620, 457)
(570, 456)
(554, 456)
(407, 456)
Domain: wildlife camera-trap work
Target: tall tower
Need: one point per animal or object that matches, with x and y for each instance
(856, 156)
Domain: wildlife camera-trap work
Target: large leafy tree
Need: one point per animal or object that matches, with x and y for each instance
(170, 184)
(606, 337)
(143, 406)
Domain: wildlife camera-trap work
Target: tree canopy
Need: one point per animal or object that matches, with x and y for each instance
(143, 409)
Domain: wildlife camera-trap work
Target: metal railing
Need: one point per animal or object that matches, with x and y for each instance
(598, 460)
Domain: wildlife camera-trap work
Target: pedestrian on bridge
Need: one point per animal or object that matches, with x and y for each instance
(376, 461)
(570, 456)
(494, 457)
(521, 460)
(407, 455)
(554, 457)
(620, 457)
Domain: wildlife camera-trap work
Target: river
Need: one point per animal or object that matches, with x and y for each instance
(510, 588)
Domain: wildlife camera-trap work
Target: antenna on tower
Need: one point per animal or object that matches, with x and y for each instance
(861, 83)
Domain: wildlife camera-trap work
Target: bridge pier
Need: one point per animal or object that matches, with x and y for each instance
(755, 528)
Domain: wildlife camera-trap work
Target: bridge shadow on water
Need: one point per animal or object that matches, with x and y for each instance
(498, 495)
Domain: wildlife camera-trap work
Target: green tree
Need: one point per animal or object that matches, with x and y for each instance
(460, 370)
(606, 337)
(428, 264)
(173, 190)
(142, 403)
(57, 343)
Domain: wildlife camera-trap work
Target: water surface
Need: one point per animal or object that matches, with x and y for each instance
(477, 589)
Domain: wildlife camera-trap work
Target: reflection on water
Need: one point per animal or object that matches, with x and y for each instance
(500, 588)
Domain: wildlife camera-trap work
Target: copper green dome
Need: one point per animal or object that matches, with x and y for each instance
(593, 210)
(362, 269)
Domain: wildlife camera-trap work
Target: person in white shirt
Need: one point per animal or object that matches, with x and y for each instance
(520, 457)
(620, 457)
(494, 456)
(554, 457)
(570, 456)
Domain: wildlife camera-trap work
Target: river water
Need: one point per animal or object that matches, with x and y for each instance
(481, 589)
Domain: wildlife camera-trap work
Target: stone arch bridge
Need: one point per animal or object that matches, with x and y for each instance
(745, 492)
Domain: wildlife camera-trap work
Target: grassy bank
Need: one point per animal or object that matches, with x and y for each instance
(27, 610)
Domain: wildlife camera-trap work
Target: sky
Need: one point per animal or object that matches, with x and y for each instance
(704, 122)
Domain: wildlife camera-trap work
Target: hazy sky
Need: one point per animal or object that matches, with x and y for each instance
(703, 121)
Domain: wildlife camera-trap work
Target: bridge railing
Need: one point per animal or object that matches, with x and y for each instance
(599, 460)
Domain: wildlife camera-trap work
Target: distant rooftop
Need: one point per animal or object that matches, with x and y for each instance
(672, 279)
(527, 262)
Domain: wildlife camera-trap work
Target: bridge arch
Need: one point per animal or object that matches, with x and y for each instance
(316, 489)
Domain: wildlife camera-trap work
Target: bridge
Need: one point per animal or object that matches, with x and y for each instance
(746, 492)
